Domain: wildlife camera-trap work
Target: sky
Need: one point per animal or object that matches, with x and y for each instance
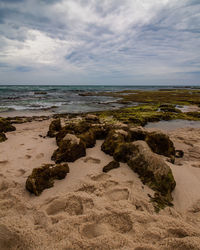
(108, 42)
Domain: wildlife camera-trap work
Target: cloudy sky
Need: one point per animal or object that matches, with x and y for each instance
(127, 42)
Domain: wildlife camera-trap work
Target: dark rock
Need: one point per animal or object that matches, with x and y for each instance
(70, 148)
(73, 128)
(2, 137)
(111, 165)
(92, 118)
(152, 169)
(54, 127)
(169, 108)
(113, 140)
(100, 131)
(179, 153)
(43, 177)
(88, 138)
(137, 133)
(6, 126)
(40, 93)
(123, 152)
(160, 144)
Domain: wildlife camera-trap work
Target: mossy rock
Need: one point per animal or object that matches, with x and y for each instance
(2, 137)
(113, 139)
(6, 126)
(111, 165)
(152, 169)
(54, 127)
(88, 138)
(123, 152)
(43, 177)
(70, 148)
(169, 108)
(137, 133)
(73, 128)
(160, 143)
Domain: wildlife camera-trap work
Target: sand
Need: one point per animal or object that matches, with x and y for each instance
(90, 209)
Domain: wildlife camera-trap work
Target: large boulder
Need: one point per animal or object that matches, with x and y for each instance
(111, 165)
(161, 144)
(5, 125)
(43, 177)
(137, 133)
(70, 148)
(152, 169)
(54, 127)
(88, 138)
(113, 140)
(2, 137)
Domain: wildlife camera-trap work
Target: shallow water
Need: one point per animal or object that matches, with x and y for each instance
(174, 124)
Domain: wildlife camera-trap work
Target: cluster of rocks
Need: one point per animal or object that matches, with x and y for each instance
(5, 126)
(137, 147)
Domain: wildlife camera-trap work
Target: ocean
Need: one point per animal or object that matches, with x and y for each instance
(61, 99)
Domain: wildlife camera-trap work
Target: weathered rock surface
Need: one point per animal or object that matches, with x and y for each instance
(92, 118)
(160, 144)
(113, 140)
(5, 125)
(152, 169)
(111, 165)
(54, 127)
(138, 133)
(88, 138)
(70, 148)
(2, 137)
(43, 177)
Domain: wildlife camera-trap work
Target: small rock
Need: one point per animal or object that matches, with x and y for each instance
(111, 165)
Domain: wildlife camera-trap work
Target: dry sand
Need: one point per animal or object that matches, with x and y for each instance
(90, 209)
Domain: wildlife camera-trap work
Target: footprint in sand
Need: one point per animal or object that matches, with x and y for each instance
(92, 160)
(115, 222)
(100, 177)
(39, 156)
(3, 162)
(73, 205)
(118, 194)
(21, 172)
(28, 156)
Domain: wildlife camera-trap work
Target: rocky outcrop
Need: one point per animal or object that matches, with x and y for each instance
(152, 169)
(111, 165)
(70, 148)
(54, 127)
(2, 137)
(43, 177)
(137, 133)
(92, 118)
(161, 144)
(6, 126)
(113, 140)
(88, 138)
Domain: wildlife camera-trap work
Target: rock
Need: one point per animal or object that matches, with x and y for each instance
(92, 118)
(137, 133)
(179, 153)
(100, 131)
(54, 127)
(169, 108)
(111, 165)
(123, 152)
(160, 144)
(2, 137)
(73, 128)
(113, 140)
(43, 177)
(70, 148)
(152, 169)
(6, 126)
(88, 138)
(40, 93)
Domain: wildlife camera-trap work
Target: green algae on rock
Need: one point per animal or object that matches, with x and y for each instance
(5, 125)
(70, 148)
(152, 169)
(161, 144)
(43, 177)
(54, 127)
(111, 165)
(2, 137)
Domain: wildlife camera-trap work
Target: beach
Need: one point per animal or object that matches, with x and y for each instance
(90, 209)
